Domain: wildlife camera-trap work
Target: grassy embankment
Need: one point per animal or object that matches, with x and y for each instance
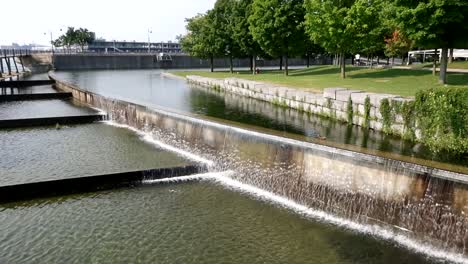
(315, 79)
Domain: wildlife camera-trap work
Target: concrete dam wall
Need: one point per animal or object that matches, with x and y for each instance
(148, 61)
(424, 205)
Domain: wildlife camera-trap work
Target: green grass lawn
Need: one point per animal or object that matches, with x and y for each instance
(391, 81)
(459, 65)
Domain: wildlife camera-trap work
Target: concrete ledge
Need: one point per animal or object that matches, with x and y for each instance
(36, 96)
(94, 183)
(20, 84)
(48, 121)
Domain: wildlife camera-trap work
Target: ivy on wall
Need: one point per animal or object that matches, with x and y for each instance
(442, 117)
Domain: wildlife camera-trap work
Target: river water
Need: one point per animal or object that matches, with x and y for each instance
(187, 223)
(148, 87)
(199, 222)
(48, 153)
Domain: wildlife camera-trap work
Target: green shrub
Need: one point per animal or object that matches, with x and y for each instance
(442, 117)
(386, 112)
(349, 111)
(367, 108)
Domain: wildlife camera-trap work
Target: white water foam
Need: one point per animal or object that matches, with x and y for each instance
(224, 179)
(196, 177)
(148, 138)
(324, 217)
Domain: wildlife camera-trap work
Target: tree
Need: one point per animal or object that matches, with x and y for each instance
(72, 37)
(325, 24)
(397, 45)
(277, 26)
(435, 24)
(223, 27)
(241, 33)
(200, 41)
(83, 37)
(345, 26)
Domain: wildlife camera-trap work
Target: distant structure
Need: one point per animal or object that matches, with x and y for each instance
(103, 46)
(421, 55)
(17, 46)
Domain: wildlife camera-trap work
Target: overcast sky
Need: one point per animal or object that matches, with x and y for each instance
(128, 20)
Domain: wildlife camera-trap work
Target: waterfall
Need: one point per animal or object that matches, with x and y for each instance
(412, 204)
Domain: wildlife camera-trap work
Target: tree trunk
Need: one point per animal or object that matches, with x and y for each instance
(450, 59)
(343, 65)
(434, 64)
(393, 61)
(308, 60)
(443, 66)
(281, 63)
(286, 65)
(211, 63)
(231, 66)
(252, 65)
(378, 60)
(372, 61)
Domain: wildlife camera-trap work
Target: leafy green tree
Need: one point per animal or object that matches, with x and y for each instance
(277, 26)
(200, 41)
(397, 45)
(325, 24)
(345, 26)
(223, 25)
(435, 24)
(83, 37)
(241, 33)
(80, 37)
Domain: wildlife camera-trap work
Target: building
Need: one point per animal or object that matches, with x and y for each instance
(102, 46)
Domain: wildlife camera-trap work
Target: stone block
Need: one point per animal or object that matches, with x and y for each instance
(331, 92)
(340, 115)
(376, 99)
(345, 94)
(339, 105)
(360, 98)
(361, 109)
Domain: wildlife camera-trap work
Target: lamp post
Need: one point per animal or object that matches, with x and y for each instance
(149, 42)
(51, 40)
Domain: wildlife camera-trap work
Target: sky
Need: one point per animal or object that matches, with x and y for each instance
(32, 21)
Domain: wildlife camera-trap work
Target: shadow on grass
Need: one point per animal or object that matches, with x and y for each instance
(459, 79)
(389, 73)
(328, 70)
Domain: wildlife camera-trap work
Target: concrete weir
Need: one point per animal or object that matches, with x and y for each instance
(92, 183)
(16, 84)
(49, 121)
(33, 96)
(430, 204)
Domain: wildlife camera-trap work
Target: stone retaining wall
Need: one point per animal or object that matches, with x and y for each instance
(333, 102)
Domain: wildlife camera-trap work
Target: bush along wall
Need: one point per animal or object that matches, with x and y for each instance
(442, 119)
(437, 117)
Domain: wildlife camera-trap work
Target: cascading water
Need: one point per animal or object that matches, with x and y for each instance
(390, 199)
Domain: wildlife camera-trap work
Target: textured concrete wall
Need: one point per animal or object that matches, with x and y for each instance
(147, 61)
(333, 102)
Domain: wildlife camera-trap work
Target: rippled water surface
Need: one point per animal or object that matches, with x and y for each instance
(186, 223)
(28, 90)
(37, 154)
(148, 87)
(42, 108)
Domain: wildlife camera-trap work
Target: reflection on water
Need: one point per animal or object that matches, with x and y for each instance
(149, 88)
(189, 223)
(37, 154)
